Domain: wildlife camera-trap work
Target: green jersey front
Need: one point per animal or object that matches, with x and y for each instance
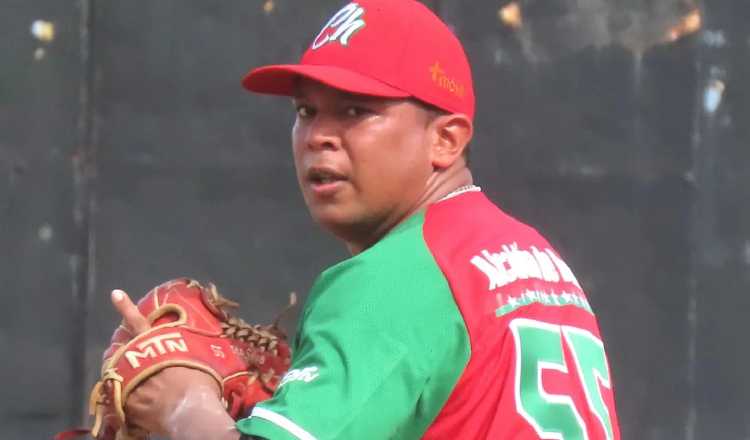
(380, 346)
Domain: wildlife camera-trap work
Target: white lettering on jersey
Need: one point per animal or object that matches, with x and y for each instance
(509, 303)
(306, 375)
(511, 264)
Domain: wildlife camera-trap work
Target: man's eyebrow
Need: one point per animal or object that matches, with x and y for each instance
(341, 96)
(358, 98)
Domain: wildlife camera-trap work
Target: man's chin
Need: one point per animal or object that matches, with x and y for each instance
(341, 223)
(330, 219)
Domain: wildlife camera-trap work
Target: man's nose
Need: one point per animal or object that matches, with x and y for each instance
(323, 133)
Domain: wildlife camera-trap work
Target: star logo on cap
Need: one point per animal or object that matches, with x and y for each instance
(436, 71)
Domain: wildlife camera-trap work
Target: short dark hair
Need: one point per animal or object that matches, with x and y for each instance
(433, 111)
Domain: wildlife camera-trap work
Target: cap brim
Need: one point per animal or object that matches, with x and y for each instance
(282, 79)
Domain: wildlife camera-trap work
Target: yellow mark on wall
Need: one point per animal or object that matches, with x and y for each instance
(688, 24)
(269, 6)
(43, 31)
(511, 15)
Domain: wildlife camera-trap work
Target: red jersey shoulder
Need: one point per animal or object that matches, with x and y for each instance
(537, 367)
(480, 245)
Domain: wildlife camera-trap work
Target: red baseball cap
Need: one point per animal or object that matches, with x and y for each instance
(386, 48)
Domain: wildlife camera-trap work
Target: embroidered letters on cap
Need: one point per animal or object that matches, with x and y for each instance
(442, 80)
(341, 26)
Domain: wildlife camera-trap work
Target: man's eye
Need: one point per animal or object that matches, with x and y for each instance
(356, 112)
(304, 111)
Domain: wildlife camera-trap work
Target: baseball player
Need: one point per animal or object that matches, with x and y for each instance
(451, 320)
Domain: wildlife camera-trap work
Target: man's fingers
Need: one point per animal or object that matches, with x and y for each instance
(131, 316)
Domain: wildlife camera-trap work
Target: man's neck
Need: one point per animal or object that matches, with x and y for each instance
(440, 185)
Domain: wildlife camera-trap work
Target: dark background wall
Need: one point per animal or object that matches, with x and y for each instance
(129, 155)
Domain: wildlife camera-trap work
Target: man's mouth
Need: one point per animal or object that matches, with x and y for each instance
(324, 176)
(325, 182)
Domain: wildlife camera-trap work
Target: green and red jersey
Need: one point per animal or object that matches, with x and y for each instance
(461, 323)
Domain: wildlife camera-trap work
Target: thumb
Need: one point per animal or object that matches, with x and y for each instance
(131, 316)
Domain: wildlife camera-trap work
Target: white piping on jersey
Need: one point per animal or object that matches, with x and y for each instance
(282, 422)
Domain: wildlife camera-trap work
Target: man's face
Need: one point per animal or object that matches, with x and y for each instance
(362, 163)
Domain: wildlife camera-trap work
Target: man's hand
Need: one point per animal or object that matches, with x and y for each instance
(182, 365)
(179, 403)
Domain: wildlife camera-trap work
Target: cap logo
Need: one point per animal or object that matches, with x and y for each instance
(341, 27)
(442, 80)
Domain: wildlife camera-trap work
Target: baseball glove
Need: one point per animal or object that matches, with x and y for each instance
(190, 327)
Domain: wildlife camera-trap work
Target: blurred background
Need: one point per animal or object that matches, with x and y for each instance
(129, 154)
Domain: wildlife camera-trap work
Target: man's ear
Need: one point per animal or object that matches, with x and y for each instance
(451, 135)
